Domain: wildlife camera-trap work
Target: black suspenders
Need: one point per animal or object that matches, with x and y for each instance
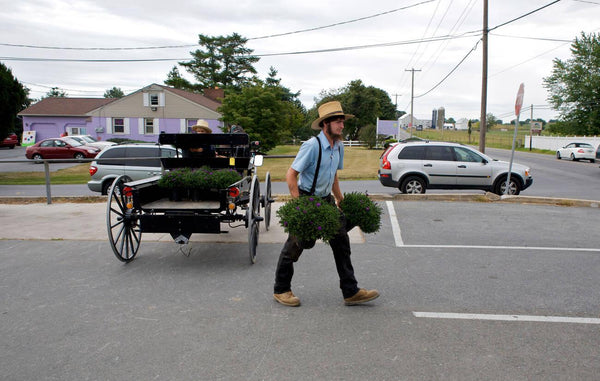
(314, 184)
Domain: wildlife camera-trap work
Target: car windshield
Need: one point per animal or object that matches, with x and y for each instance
(88, 139)
(72, 142)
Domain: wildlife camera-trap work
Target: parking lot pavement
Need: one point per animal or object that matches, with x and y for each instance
(462, 297)
(87, 221)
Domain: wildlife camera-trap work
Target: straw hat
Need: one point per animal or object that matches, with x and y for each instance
(201, 126)
(327, 110)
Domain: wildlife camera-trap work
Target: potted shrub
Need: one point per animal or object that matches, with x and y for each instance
(361, 211)
(309, 219)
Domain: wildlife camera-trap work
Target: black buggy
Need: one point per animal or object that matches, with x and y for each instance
(136, 207)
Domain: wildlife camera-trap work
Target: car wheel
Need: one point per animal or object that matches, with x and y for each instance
(37, 157)
(413, 185)
(79, 156)
(106, 186)
(592, 160)
(573, 158)
(558, 155)
(514, 187)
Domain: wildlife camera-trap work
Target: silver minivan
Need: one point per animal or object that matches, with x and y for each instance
(138, 161)
(413, 167)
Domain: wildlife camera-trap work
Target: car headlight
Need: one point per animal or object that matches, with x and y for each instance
(92, 151)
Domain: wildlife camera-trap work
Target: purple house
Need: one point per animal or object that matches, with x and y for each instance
(141, 115)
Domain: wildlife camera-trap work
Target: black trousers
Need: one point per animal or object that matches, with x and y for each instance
(292, 249)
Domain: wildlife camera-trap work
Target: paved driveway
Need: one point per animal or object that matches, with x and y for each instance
(470, 291)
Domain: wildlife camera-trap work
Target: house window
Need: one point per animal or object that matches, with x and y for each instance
(189, 123)
(148, 125)
(76, 130)
(118, 125)
(154, 100)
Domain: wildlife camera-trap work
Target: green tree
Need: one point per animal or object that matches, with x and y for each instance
(174, 79)
(573, 87)
(55, 92)
(368, 135)
(13, 99)
(115, 92)
(491, 121)
(366, 103)
(222, 61)
(263, 113)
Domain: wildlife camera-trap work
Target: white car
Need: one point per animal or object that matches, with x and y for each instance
(90, 141)
(577, 151)
(415, 166)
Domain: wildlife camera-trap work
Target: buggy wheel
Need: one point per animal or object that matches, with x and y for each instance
(124, 233)
(253, 218)
(267, 200)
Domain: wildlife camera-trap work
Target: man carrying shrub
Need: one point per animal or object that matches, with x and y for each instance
(314, 172)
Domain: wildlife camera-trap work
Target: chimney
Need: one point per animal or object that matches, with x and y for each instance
(215, 94)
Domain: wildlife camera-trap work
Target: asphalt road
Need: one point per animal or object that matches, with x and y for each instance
(552, 178)
(470, 291)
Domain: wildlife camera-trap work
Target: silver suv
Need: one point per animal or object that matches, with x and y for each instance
(415, 166)
(119, 160)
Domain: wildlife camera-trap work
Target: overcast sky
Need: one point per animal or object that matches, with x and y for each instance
(374, 41)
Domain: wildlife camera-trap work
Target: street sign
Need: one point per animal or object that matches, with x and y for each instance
(519, 101)
(518, 104)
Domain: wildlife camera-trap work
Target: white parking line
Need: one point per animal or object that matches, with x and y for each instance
(394, 223)
(581, 249)
(512, 318)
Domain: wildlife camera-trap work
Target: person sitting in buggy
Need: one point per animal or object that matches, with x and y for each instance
(205, 150)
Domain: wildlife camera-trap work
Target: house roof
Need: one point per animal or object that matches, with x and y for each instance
(60, 106)
(194, 97)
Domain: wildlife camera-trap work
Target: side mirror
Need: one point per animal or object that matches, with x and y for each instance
(258, 160)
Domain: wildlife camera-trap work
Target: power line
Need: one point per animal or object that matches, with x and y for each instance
(347, 48)
(451, 71)
(525, 15)
(342, 22)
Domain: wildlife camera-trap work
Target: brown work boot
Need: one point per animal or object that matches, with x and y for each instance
(287, 299)
(362, 296)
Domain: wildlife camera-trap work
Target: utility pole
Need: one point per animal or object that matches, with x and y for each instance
(412, 97)
(482, 119)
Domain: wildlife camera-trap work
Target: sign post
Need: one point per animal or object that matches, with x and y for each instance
(518, 104)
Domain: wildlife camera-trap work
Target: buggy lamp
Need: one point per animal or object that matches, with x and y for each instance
(234, 192)
(127, 191)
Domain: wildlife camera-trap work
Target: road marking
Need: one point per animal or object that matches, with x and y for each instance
(581, 249)
(395, 225)
(513, 318)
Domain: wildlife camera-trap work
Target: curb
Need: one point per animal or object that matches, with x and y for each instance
(462, 197)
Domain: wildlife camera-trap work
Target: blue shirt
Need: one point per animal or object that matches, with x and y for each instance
(306, 160)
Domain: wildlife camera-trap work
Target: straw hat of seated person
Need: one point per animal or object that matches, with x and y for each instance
(201, 127)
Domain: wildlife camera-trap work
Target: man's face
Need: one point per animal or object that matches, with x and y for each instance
(334, 128)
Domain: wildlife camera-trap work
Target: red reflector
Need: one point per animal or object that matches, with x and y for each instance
(386, 175)
(128, 191)
(234, 192)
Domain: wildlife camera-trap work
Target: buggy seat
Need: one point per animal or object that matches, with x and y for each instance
(234, 150)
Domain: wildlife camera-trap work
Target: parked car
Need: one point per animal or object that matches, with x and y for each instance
(117, 160)
(415, 166)
(60, 148)
(90, 141)
(598, 153)
(577, 151)
(10, 141)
